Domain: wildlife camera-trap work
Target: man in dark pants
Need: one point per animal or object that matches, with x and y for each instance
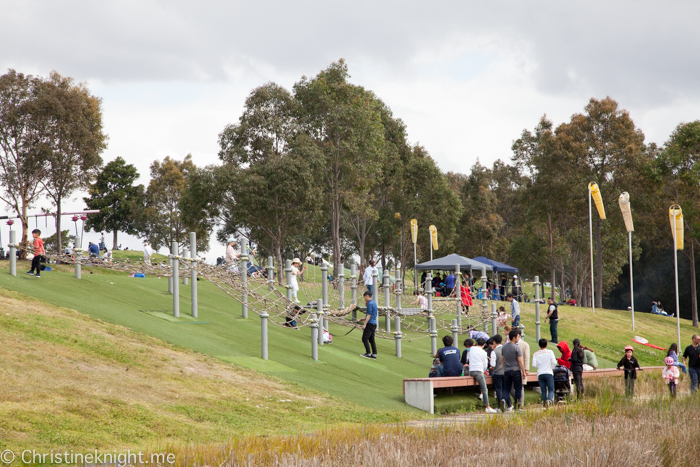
(692, 355)
(497, 367)
(553, 317)
(513, 369)
(369, 327)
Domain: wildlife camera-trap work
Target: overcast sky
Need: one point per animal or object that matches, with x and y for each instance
(466, 77)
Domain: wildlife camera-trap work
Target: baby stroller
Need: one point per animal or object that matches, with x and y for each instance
(562, 383)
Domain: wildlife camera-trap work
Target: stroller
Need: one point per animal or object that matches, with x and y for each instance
(562, 383)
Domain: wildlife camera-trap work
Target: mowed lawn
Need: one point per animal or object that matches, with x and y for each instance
(340, 371)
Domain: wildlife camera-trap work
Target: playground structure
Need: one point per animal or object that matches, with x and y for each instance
(332, 302)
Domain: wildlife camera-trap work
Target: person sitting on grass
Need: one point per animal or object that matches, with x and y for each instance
(630, 365)
(290, 320)
(590, 361)
(450, 364)
(478, 364)
(370, 326)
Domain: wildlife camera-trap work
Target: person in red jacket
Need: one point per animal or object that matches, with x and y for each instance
(565, 354)
(38, 250)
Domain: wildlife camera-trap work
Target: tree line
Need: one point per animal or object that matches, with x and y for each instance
(326, 167)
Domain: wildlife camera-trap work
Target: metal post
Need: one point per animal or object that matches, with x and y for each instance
(398, 336)
(193, 273)
(538, 333)
(629, 234)
(398, 290)
(494, 319)
(341, 288)
(590, 225)
(429, 292)
(263, 333)
(288, 278)
(455, 333)
(675, 263)
(415, 269)
(387, 300)
(176, 279)
(13, 252)
(324, 284)
(375, 284)
(522, 330)
(271, 272)
(170, 278)
(186, 257)
(353, 288)
(78, 263)
(314, 337)
(319, 308)
(244, 277)
(458, 296)
(433, 335)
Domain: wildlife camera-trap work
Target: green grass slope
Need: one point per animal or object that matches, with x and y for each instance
(340, 372)
(70, 381)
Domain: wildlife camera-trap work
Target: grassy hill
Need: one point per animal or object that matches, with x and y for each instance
(361, 390)
(73, 381)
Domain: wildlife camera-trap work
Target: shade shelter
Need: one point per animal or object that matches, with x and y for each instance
(497, 266)
(448, 263)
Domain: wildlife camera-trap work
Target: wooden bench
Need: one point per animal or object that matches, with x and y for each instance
(419, 392)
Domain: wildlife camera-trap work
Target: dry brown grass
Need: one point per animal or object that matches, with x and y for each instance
(603, 430)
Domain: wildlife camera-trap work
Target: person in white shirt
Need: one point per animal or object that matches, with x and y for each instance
(295, 273)
(545, 362)
(420, 299)
(232, 254)
(478, 364)
(147, 252)
(369, 272)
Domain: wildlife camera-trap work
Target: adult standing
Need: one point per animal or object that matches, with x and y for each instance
(525, 347)
(232, 254)
(147, 253)
(296, 262)
(577, 361)
(513, 369)
(449, 284)
(545, 362)
(514, 288)
(514, 310)
(368, 276)
(691, 357)
(504, 286)
(370, 326)
(497, 367)
(553, 317)
(478, 364)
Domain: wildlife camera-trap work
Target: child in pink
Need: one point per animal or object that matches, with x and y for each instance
(671, 375)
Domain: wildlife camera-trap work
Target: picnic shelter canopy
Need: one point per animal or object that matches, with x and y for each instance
(449, 262)
(497, 265)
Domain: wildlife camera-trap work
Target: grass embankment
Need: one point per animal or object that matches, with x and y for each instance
(69, 381)
(602, 430)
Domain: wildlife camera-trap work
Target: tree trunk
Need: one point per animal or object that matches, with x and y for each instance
(598, 265)
(280, 266)
(335, 229)
(25, 231)
(59, 243)
(553, 273)
(693, 288)
(114, 239)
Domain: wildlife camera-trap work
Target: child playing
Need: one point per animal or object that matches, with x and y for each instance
(630, 365)
(38, 245)
(673, 353)
(671, 374)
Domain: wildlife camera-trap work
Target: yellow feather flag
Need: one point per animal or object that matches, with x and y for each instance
(675, 215)
(595, 193)
(433, 236)
(414, 230)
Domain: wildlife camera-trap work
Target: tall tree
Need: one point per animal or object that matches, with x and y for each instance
(268, 184)
(117, 198)
(679, 166)
(344, 121)
(160, 220)
(75, 142)
(23, 144)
